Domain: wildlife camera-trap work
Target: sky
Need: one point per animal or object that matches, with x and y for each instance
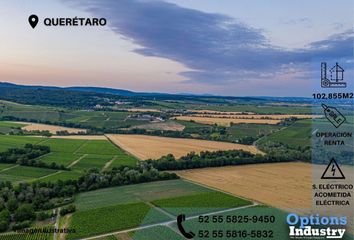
(220, 47)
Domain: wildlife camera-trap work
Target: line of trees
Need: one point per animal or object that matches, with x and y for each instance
(284, 151)
(28, 155)
(212, 159)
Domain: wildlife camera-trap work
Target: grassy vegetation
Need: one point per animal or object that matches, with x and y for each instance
(25, 236)
(113, 218)
(61, 175)
(7, 142)
(298, 134)
(5, 165)
(8, 127)
(193, 127)
(135, 193)
(92, 161)
(256, 107)
(21, 173)
(251, 130)
(64, 145)
(200, 203)
(122, 159)
(88, 119)
(98, 211)
(103, 147)
(60, 158)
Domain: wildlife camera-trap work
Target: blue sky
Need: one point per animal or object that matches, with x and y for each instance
(223, 47)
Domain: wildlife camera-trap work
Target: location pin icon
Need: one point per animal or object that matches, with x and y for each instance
(33, 20)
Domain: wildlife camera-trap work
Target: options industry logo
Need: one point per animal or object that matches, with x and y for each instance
(316, 226)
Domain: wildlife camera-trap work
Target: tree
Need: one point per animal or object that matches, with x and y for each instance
(12, 204)
(24, 212)
(4, 220)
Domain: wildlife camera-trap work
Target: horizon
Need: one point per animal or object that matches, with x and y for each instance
(196, 47)
(139, 92)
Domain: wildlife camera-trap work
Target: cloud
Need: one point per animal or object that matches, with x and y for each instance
(216, 48)
(306, 22)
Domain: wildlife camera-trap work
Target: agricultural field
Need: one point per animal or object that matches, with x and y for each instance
(113, 218)
(162, 126)
(83, 118)
(91, 161)
(193, 127)
(226, 121)
(30, 111)
(229, 118)
(144, 110)
(298, 134)
(18, 173)
(7, 142)
(24, 236)
(141, 204)
(224, 106)
(282, 185)
(7, 127)
(138, 192)
(51, 128)
(255, 108)
(255, 116)
(151, 147)
(61, 158)
(4, 166)
(80, 137)
(251, 130)
(60, 175)
(192, 205)
(77, 154)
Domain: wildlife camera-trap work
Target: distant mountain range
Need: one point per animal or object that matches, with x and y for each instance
(128, 93)
(79, 89)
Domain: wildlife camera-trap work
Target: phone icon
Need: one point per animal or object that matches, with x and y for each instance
(181, 218)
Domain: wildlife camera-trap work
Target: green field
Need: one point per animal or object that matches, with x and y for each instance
(5, 165)
(298, 134)
(21, 173)
(135, 205)
(7, 142)
(24, 236)
(102, 147)
(92, 161)
(7, 127)
(135, 193)
(193, 127)
(223, 106)
(61, 175)
(61, 158)
(89, 119)
(251, 130)
(64, 145)
(200, 203)
(113, 218)
(64, 152)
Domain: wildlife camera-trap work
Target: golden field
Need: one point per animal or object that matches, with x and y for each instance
(226, 121)
(282, 185)
(152, 147)
(51, 128)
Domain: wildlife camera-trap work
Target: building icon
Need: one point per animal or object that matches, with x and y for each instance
(336, 76)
